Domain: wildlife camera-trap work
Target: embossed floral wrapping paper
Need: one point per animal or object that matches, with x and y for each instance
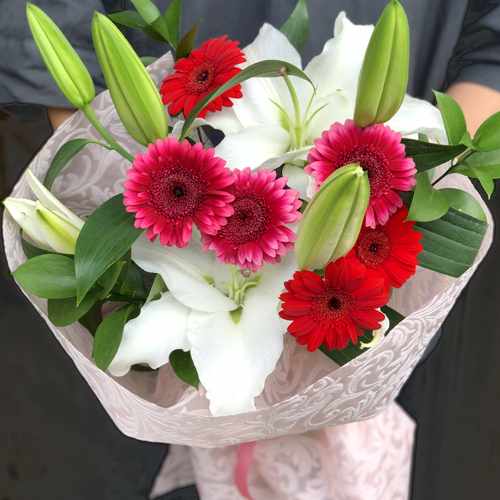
(307, 391)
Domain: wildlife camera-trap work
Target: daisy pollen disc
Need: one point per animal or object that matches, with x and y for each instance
(379, 151)
(174, 185)
(335, 309)
(257, 233)
(391, 250)
(203, 71)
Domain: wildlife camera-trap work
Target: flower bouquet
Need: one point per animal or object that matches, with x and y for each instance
(232, 248)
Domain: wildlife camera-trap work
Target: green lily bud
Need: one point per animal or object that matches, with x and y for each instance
(333, 219)
(134, 93)
(47, 223)
(61, 59)
(384, 76)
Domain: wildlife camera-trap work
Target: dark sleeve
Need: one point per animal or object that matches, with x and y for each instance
(477, 54)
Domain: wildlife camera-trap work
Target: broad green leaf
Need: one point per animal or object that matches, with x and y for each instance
(184, 368)
(147, 10)
(50, 276)
(131, 283)
(453, 117)
(427, 155)
(129, 19)
(427, 203)
(147, 60)
(484, 175)
(464, 202)
(64, 312)
(64, 155)
(108, 280)
(172, 17)
(487, 137)
(92, 319)
(451, 243)
(263, 69)
(157, 288)
(296, 27)
(107, 236)
(187, 42)
(109, 335)
(354, 350)
(160, 26)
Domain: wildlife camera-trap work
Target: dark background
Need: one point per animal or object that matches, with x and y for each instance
(57, 443)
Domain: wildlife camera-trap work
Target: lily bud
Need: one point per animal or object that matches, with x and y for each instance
(134, 93)
(61, 59)
(47, 223)
(333, 219)
(384, 76)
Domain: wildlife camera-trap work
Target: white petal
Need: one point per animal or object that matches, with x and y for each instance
(159, 329)
(234, 360)
(253, 146)
(48, 200)
(276, 162)
(418, 116)
(185, 272)
(224, 120)
(339, 65)
(336, 107)
(297, 179)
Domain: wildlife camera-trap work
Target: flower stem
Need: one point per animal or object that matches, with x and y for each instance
(104, 133)
(296, 107)
(457, 161)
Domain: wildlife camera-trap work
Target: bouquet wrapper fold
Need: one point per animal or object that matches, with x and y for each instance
(307, 393)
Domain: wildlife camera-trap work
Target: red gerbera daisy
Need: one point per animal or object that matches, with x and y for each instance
(199, 74)
(257, 231)
(391, 250)
(175, 184)
(335, 309)
(379, 150)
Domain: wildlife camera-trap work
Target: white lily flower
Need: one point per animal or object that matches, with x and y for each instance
(47, 223)
(273, 123)
(229, 322)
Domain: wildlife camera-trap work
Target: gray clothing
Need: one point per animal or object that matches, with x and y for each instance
(452, 40)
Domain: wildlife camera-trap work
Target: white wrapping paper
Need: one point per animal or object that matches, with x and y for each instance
(307, 392)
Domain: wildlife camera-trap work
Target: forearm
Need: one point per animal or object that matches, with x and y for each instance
(477, 101)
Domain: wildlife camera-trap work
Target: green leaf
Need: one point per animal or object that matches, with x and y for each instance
(147, 10)
(147, 60)
(92, 319)
(393, 316)
(184, 368)
(64, 312)
(451, 243)
(160, 26)
(64, 155)
(31, 250)
(131, 283)
(109, 335)
(464, 202)
(129, 19)
(487, 137)
(427, 155)
(296, 27)
(172, 18)
(157, 288)
(263, 69)
(106, 236)
(108, 280)
(428, 203)
(453, 117)
(50, 276)
(187, 42)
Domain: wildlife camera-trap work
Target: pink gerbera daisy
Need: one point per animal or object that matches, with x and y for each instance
(379, 150)
(175, 184)
(257, 233)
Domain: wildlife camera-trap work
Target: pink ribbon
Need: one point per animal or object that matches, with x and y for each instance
(244, 459)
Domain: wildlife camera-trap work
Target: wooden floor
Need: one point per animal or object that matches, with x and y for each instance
(56, 441)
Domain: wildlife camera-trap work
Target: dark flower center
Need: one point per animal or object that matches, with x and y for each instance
(374, 247)
(375, 163)
(201, 78)
(335, 303)
(249, 221)
(176, 192)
